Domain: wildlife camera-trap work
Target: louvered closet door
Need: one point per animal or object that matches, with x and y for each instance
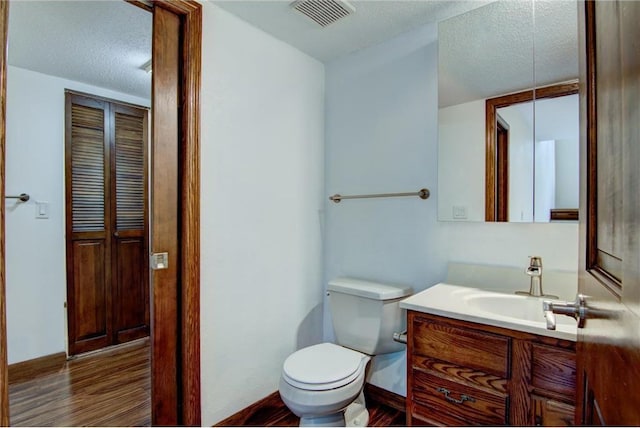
(87, 223)
(106, 194)
(129, 209)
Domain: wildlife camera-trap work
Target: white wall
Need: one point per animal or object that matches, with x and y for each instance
(545, 180)
(35, 248)
(461, 160)
(519, 117)
(381, 136)
(567, 173)
(261, 216)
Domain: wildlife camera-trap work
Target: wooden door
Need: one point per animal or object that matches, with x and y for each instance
(609, 343)
(106, 222)
(87, 223)
(164, 215)
(175, 227)
(130, 225)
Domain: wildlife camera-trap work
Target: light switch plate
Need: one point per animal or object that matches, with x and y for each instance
(42, 209)
(459, 212)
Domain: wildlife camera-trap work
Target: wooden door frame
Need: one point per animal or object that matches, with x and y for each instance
(187, 402)
(502, 169)
(491, 107)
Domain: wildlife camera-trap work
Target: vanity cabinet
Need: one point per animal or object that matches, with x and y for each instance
(463, 373)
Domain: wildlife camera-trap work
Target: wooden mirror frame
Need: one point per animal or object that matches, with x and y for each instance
(495, 207)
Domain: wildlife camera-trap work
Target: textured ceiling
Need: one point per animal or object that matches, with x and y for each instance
(485, 52)
(497, 49)
(373, 22)
(102, 43)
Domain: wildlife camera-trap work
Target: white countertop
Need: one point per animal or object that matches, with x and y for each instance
(520, 313)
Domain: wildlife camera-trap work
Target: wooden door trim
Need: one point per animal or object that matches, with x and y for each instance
(191, 15)
(4, 371)
(491, 107)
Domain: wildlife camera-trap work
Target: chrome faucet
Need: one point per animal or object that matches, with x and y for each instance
(535, 272)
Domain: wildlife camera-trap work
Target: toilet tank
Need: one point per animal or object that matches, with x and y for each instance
(365, 314)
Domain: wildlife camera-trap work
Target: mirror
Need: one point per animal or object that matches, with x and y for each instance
(505, 151)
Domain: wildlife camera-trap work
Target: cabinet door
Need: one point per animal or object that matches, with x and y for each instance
(552, 413)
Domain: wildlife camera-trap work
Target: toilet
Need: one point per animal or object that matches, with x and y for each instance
(323, 384)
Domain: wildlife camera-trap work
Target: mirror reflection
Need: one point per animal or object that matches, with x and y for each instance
(508, 157)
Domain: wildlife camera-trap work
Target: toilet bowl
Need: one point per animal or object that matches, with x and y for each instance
(319, 382)
(323, 384)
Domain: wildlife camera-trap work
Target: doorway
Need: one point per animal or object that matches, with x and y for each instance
(177, 75)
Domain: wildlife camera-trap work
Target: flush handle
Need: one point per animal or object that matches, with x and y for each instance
(400, 337)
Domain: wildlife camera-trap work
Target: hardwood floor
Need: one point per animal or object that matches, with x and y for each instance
(112, 388)
(107, 388)
(271, 411)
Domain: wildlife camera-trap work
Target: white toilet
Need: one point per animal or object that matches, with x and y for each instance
(323, 384)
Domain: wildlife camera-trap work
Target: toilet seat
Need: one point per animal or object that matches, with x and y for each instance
(323, 367)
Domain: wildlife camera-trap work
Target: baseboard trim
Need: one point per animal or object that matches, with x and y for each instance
(240, 418)
(384, 397)
(273, 401)
(30, 369)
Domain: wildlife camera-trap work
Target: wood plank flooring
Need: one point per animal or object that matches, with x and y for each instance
(107, 388)
(112, 388)
(271, 411)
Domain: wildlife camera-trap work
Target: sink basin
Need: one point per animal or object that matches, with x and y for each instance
(513, 306)
(515, 312)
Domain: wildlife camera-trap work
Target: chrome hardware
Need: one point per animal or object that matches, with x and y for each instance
(159, 261)
(400, 337)
(23, 197)
(463, 397)
(577, 310)
(422, 194)
(535, 272)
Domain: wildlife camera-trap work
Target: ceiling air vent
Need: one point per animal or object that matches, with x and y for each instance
(323, 12)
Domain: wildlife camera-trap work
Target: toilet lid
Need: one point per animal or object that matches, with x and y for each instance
(323, 366)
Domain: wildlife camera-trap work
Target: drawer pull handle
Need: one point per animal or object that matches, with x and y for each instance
(463, 397)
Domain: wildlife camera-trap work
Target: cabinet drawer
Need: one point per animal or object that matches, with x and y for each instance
(554, 370)
(550, 413)
(432, 402)
(461, 346)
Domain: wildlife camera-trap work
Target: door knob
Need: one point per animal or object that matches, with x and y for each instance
(577, 309)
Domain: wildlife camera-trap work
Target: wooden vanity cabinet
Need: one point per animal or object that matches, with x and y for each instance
(463, 373)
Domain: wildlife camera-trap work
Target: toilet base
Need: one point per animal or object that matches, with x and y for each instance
(334, 420)
(355, 415)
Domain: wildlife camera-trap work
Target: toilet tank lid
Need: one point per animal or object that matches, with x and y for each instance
(369, 289)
